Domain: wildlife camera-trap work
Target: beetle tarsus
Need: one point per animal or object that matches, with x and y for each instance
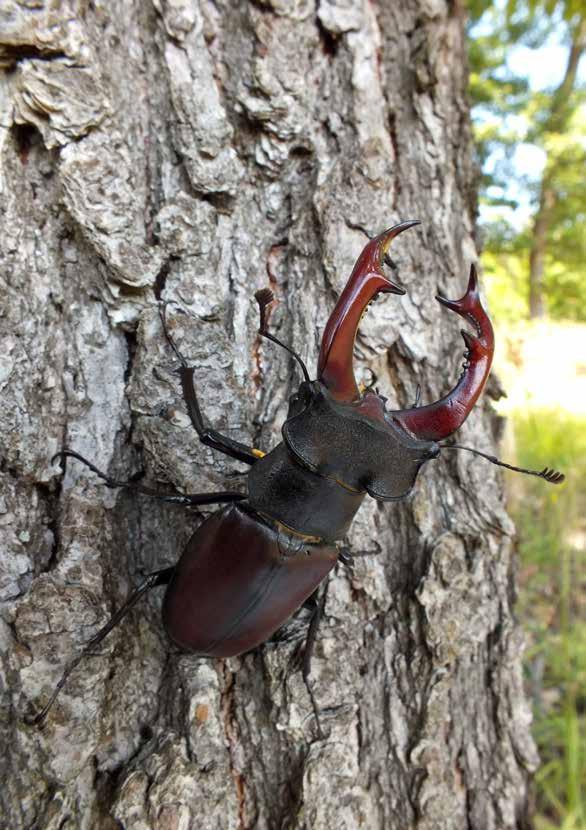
(264, 298)
(347, 560)
(170, 340)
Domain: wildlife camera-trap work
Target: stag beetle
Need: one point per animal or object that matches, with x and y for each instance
(254, 562)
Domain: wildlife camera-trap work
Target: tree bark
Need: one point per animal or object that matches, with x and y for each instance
(194, 152)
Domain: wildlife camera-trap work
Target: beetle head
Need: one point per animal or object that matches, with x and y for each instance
(337, 431)
(355, 444)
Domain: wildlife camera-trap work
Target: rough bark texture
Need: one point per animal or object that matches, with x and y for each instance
(194, 151)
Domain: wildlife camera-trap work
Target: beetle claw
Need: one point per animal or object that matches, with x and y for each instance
(469, 339)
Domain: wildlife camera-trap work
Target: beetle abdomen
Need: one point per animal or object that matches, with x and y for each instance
(238, 581)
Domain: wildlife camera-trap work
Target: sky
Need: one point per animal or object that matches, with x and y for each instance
(544, 68)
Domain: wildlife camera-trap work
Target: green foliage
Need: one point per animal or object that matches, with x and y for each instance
(552, 533)
(507, 284)
(506, 273)
(567, 154)
(508, 114)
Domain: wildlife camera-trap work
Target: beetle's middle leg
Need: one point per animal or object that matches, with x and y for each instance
(187, 499)
(209, 437)
(319, 603)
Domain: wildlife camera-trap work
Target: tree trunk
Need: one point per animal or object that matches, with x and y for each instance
(541, 226)
(194, 152)
(559, 115)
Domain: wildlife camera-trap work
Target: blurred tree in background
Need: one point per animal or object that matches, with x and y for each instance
(529, 108)
(536, 267)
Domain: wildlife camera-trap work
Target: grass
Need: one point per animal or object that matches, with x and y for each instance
(551, 523)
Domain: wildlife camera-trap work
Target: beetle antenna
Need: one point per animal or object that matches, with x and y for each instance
(264, 298)
(552, 476)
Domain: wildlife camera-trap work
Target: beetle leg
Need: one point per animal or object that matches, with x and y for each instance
(186, 499)
(209, 437)
(347, 560)
(316, 618)
(417, 396)
(153, 580)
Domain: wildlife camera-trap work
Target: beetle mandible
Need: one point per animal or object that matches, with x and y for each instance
(255, 561)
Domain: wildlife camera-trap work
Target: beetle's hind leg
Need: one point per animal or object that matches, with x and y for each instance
(319, 604)
(186, 499)
(153, 580)
(209, 437)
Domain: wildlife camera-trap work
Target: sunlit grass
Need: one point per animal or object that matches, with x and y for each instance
(543, 367)
(552, 537)
(551, 523)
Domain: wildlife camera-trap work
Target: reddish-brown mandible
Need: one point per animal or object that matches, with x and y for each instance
(335, 368)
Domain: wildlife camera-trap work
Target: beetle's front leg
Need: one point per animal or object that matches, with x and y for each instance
(209, 437)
